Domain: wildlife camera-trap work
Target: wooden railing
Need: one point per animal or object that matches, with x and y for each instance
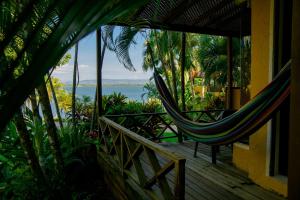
(154, 126)
(159, 172)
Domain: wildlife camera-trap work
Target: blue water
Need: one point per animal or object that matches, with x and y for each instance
(133, 92)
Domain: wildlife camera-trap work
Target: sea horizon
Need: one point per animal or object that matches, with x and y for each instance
(132, 92)
(93, 82)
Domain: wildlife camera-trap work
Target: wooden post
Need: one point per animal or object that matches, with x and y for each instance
(99, 71)
(229, 73)
(294, 140)
(183, 45)
(180, 179)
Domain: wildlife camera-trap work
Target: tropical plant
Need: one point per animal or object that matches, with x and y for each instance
(150, 91)
(62, 61)
(114, 102)
(214, 102)
(42, 26)
(64, 98)
(212, 55)
(51, 127)
(19, 177)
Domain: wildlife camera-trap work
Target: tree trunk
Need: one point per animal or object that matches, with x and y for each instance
(50, 126)
(192, 84)
(37, 117)
(174, 78)
(74, 86)
(183, 45)
(55, 102)
(34, 106)
(95, 99)
(28, 147)
(164, 64)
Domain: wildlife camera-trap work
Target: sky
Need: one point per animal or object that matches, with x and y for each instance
(112, 68)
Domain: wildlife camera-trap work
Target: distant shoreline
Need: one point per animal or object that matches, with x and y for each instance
(107, 85)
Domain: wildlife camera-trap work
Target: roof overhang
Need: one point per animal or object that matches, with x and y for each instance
(213, 17)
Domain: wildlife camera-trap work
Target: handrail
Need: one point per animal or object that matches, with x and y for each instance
(153, 126)
(130, 150)
(162, 113)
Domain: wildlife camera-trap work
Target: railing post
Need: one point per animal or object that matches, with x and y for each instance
(180, 179)
(122, 152)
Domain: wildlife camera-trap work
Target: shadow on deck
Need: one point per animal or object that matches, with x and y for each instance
(207, 181)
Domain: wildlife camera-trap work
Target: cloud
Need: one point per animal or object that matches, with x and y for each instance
(65, 72)
(83, 66)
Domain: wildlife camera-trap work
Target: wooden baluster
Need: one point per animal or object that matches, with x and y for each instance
(134, 152)
(179, 189)
(162, 181)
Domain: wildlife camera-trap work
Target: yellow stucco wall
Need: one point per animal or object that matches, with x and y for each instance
(236, 98)
(257, 155)
(241, 155)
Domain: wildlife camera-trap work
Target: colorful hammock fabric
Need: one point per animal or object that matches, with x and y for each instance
(240, 124)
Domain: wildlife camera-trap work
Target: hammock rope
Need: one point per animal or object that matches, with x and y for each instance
(242, 123)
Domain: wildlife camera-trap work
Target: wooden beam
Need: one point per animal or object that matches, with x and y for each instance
(229, 74)
(99, 71)
(294, 140)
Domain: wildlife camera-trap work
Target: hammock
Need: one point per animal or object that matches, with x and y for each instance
(242, 123)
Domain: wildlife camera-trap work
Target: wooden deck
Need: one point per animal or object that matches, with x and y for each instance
(206, 181)
(137, 168)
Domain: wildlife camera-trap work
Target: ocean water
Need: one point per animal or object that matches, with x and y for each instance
(133, 92)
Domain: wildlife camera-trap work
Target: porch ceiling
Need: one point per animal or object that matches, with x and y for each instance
(215, 17)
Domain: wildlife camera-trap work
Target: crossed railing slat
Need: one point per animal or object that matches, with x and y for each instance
(145, 127)
(131, 150)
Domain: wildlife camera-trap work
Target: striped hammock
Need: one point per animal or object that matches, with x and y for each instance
(240, 124)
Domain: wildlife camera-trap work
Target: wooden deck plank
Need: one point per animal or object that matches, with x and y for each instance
(196, 188)
(200, 173)
(234, 175)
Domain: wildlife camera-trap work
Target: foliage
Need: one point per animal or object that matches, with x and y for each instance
(63, 97)
(150, 91)
(113, 103)
(212, 55)
(83, 113)
(116, 104)
(53, 26)
(17, 180)
(214, 102)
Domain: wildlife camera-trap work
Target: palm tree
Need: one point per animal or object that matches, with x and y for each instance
(55, 102)
(212, 55)
(164, 46)
(75, 72)
(64, 60)
(34, 106)
(107, 37)
(172, 43)
(51, 127)
(27, 146)
(55, 26)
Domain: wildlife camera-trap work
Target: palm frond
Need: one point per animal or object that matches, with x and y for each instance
(123, 43)
(48, 26)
